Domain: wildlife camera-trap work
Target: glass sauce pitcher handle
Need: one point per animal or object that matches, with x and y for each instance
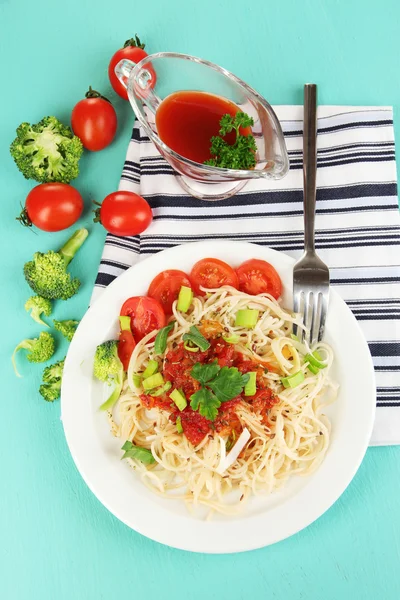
(123, 70)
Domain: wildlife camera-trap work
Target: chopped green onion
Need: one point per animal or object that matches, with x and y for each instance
(154, 381)
(247, 317)
(313, 369)
(179, 399)
(137, 379)
(250, 387)
(179, 427)
(184, 299)
(315, 360)
(196, 338)
(317, 355)
(295, 337)
(232, 339)
(125, 323)
(230, 441)
(294, 380)
(152, 367)
(160, 391)
(161, 338)
(190, 348)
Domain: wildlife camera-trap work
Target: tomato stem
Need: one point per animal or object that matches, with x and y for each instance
(91, 93)
(135, 42)
(96, 211)
(24, 218)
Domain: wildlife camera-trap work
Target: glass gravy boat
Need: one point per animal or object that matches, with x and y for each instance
(159, 75)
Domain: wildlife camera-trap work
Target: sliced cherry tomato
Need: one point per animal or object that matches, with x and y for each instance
(165, 288)
(212, 273)
(133, 50)
(94, 121)
(126, 346)
(124, 213)
(146, 315)
(259, 277)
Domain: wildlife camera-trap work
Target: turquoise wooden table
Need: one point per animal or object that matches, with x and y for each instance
(56, 540)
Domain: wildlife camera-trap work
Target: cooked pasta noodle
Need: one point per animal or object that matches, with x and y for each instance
(291, 440)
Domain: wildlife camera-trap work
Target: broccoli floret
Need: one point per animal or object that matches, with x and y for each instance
(66, 328)
(47, 274)
(50, 391)
(52, 376)
(47, 151)
(40, 349)
(108, 367)
(38, 305)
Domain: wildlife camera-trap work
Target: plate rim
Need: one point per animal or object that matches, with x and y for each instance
(166, 539)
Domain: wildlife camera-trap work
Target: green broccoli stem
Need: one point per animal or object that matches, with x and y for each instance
(69, 249)
(26, 345)
(109, 403)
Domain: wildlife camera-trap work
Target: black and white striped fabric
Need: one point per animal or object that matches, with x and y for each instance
(357, 225)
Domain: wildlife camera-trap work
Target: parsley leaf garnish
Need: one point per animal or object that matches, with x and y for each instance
(206, 403)
(204, 373)
(143, 454)
(228, 383)
(218, 385)
(241, 154)
(196, 338)
(160, 344)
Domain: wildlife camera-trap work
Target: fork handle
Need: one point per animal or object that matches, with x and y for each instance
(309, 164)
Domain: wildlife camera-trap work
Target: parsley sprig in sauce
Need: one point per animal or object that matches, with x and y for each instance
(217, 385)
(241, 154)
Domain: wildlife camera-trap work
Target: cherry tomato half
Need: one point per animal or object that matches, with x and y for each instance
(259, 277)
(146, 315)
(126, 346)
(52, 207)
(133, 50)
(212, 273)
(124, 213)
(165, 288)
(94, 121)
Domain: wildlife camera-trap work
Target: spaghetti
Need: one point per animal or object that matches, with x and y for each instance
(256, 442)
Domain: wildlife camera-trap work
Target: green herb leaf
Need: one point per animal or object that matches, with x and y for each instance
(131, 451)
(225, 384)
(160, 344)
(203, 373)
(227, 123)
(228, 383)
(196, 338)
(206, 403)
(241, 154)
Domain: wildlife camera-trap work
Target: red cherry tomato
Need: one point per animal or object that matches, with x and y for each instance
(52, 207)
(133, 50)
(212, 273)
(126, 346)
(259, 277)
(94, 121)
(165, 288)
(124, 213)
(146, 315)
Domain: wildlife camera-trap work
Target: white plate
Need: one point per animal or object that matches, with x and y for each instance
(265, 520)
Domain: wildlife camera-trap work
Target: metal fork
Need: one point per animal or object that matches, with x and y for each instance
(310, 274)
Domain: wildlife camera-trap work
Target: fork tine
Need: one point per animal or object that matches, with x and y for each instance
(316, 318)
(324, 309)
(298, 307)
(308, 313)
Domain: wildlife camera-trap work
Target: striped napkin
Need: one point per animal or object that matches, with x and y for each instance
(357, 225)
